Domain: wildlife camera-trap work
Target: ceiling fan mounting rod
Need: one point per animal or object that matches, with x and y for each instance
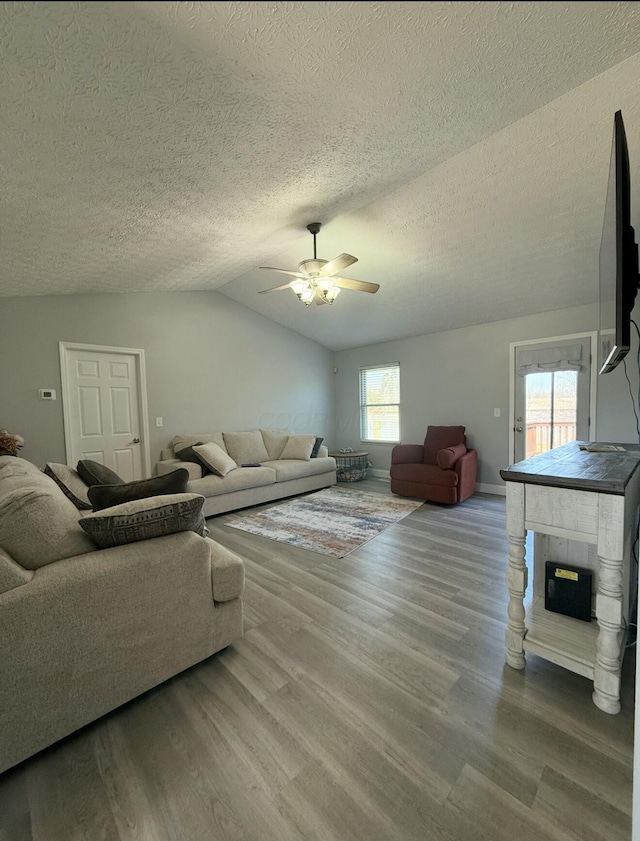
(314, 229)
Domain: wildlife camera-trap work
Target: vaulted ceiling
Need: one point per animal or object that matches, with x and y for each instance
(459, 150)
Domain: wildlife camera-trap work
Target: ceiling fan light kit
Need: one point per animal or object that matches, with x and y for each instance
(315, 279)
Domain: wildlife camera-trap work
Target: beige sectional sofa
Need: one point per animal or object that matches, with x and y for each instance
(275, 478)
(83, 630)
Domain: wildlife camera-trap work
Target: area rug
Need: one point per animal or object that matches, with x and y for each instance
(333, 522)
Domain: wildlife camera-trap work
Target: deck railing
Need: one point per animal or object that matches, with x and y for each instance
(539, 436)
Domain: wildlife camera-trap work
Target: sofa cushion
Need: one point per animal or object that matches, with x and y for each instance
(424, 474)
(439, 437)
(237, 480)
(288, 469)
(105, 496)
(188, 454)
(274, 441)
(246, 447)
(447, 457)
(12, 574)
(299, 447)
(144, 519)
(316, 447)
(94, 473)
(178, 442)
(38, 524)
(214, 458)
(195, 471)
(70, 483)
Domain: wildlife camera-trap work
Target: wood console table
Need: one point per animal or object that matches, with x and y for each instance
(582, 507)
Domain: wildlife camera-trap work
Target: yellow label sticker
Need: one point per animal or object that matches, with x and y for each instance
(566, 573)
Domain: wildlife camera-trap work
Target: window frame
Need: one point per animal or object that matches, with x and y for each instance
(364, 406)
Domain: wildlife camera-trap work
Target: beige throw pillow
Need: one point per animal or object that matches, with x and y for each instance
(299, 447)
(215, 458)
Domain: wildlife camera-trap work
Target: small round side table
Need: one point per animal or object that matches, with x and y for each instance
(351, 467)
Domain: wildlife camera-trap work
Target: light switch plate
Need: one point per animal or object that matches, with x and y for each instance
(159, 422)
(496, 413)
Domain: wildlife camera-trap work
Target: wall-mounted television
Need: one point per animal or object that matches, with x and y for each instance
(618, 257)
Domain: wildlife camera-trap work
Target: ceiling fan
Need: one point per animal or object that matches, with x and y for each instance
(316, 279)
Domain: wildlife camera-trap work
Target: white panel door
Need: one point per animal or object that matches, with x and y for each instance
(103, 414)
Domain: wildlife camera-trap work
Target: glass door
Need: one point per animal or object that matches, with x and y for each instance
(552, 385)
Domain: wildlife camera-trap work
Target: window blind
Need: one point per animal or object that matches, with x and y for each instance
(380, 403)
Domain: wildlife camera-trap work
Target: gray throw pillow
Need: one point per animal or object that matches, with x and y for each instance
(144, 519)
(105, 496)
(94, 473)
(186, 453)
(299, 447)
(316, 447)
(70, 483)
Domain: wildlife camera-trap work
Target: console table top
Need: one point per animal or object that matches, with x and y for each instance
(570, 467)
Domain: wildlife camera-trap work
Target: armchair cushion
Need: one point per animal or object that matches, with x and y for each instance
(448, 456)
(440, 437)
(425, 474)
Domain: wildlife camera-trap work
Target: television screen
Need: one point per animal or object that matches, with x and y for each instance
(618, 257)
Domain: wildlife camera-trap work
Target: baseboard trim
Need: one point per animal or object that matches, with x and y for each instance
(500, 490)
(379, 474)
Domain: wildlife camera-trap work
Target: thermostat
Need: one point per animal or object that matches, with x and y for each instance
(46, 394)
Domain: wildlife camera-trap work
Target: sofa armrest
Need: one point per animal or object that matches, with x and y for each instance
(323, 451)
(407, 454)
(95, 631)
(167, 466)
(467, 469)
(227, 573)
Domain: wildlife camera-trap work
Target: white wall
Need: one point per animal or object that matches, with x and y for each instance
(460, 376)
(212, 364)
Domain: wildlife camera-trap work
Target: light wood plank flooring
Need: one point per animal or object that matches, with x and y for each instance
(368, 700)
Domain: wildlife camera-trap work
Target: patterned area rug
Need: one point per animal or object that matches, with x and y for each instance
(333, 522)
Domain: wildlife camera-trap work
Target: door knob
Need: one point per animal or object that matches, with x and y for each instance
(135, 441)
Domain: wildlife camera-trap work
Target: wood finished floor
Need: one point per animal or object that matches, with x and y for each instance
(368, 700)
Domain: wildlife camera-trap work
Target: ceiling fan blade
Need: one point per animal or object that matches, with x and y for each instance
(357, 285)
(338, 264)
(284, 271)
(275, 289)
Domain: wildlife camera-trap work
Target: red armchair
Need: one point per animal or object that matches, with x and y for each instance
(440, 470)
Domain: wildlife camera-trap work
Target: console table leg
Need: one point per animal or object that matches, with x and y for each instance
(517, 586)
(606, 673)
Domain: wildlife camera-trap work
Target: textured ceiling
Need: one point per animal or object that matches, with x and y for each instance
(458, 149)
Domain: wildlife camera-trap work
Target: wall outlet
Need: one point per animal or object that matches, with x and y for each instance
(496, 413)
(159, 422)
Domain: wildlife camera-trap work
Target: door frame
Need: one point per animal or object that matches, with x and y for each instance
(143, 409)
(592, 335)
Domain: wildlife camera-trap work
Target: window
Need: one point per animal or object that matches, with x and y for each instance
(380, 403)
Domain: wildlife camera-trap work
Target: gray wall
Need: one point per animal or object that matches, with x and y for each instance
(460, 376)
(211, 365)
